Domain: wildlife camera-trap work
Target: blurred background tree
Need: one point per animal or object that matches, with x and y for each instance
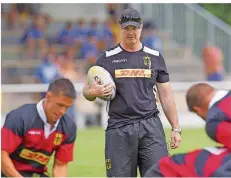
(222, 11)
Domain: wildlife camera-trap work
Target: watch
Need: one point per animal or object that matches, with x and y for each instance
(177, 130)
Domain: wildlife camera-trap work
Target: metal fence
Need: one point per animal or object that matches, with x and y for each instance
(191, 25)
(26, 93)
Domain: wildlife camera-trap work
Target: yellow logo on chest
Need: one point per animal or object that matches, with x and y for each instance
(125, 73)
(58, 139)
(35, 156)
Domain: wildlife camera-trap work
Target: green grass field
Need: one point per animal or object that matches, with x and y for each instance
(89, 150)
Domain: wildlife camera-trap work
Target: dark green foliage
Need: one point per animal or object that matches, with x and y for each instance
(222, 11)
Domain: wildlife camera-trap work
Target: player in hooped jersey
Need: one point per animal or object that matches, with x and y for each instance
(32, 132)
(135, 135)
(215, 108)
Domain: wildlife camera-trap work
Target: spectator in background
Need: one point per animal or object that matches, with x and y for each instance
(66, 36)
(113, 10)
(25, 11)
(48, 71)
(115, 29)
(67, 69)
(47, 19)
(90, 50)
(150, 39)
(93, 28)
(28, 8)
(213, 66)
(81, 33)
(12, 16)
(70, 53)
(18, 15)
(106, 37)
(34, 37)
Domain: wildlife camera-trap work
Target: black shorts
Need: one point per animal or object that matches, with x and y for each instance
(140, 144)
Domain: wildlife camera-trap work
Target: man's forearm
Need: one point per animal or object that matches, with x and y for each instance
(60, 171)
(8, 167)
(169, 108)
(168, 104)
(87, 95)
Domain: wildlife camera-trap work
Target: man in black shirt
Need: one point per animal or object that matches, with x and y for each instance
(135, 135)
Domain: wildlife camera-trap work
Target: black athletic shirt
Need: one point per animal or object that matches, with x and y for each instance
(135, 74)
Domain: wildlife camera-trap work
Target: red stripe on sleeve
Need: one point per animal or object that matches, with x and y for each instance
(223, 134)
(171, 169)
(213, 163)
(167, 167)
(65, 152)
(10, 141)
(190, 160)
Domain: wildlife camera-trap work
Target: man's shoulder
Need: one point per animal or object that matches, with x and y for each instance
(108, 55)
(28, 107)
(68, 124)
(24, 109)
(112, 51)
(218, 112)
(213, 112)
(151, 51)
(23, 114)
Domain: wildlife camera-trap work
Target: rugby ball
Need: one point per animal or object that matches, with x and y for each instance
(97, 72)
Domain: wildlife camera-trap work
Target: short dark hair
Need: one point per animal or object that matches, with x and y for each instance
(63, 86)
(196, 95)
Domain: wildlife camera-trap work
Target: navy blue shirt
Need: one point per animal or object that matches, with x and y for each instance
(206, 162)
(135, 74)
(218, 119)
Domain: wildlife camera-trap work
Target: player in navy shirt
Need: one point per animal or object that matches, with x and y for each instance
(32, 132)
(215, 108)
(206, 162)
(135, 135)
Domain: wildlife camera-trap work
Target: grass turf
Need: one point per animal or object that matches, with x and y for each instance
(89, 150)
